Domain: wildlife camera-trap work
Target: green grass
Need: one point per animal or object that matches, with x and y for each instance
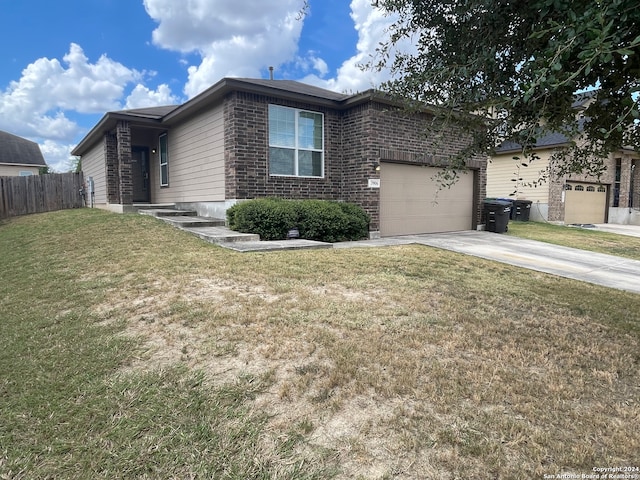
(586, 239)
(130, 349)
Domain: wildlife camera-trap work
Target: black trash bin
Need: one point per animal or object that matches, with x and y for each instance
(511, 201)
(521, 210)
(496, 214)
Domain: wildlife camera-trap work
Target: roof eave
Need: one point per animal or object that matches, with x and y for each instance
(106, 123)
(24, 164)
(225, 86)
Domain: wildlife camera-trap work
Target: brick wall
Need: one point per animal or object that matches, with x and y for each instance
(356, 140)
(375, 132)
(246, 152)
(123, 138)
(360, 154)
(112, 168)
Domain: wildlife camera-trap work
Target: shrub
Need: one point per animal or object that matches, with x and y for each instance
(321, 220)
(271, 218)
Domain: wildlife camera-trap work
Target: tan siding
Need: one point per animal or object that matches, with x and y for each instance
(93, 165)
(501, 171)
(14, 170)
(196, 161)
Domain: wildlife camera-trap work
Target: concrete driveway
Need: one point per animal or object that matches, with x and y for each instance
(607, 270)
(630, 230)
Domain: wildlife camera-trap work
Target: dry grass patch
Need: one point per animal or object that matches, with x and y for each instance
(585, 238)
(404, 362)
(410, 362)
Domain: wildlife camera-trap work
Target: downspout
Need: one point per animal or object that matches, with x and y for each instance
(631, 186)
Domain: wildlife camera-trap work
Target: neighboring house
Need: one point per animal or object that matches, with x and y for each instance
(570, 199)
(19, 156)
(248, 138)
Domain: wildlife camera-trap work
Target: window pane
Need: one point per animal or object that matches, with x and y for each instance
(282, 126)
(164, 174)
(164, 161)
(309, 163)
(281, 161)
(310, 130)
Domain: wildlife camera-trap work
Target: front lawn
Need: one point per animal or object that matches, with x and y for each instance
(130, 349)
(583, 238)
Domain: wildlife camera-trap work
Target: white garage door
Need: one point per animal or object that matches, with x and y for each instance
(584, 203)
(411, 203)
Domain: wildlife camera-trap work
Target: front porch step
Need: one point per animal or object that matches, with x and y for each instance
(167, 212)
(212, 230)
(186, 221)
(221, 235)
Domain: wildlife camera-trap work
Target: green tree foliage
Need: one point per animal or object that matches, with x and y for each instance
(76, 165)
(523, 62)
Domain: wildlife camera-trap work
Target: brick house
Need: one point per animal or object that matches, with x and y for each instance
(250, 138)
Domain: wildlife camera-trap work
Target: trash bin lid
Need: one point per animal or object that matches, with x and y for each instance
(495, 201)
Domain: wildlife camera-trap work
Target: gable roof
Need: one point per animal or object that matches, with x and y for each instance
(164, 117)
(150, 112)
(16, 150)
(553, 139)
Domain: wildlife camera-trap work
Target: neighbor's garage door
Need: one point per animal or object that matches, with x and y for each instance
(407, 195)
(584, 203)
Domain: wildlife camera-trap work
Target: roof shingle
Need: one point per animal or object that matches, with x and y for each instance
(19, 151)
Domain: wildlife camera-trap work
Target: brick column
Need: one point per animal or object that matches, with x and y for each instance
(635, 195)
(112, 168)
(625, 181)
(123, 134)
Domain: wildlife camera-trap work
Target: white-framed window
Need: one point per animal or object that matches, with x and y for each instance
(25, 173)
(296, 142)
(163, 155)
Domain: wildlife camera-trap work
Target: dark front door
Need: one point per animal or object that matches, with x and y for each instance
(140, 171)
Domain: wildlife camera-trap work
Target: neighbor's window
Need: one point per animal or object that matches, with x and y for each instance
(164, 161)
(296, 142)
(25, 173)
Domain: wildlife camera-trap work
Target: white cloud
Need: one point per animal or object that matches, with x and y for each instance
(38, 105)
(35, 104)
(232, 38)
(57, 155)
(142, 96)
(371, 24)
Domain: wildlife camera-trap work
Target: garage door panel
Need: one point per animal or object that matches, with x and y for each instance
(584, 203)
(411, 203)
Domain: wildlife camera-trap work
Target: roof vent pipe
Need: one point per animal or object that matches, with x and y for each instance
(270, 73)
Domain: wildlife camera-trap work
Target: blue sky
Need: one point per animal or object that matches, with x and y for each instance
(66, 62)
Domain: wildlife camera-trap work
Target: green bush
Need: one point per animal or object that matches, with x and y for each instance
(321, 220)
(271, 218)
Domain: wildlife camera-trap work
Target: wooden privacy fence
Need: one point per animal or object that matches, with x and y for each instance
(40, 193)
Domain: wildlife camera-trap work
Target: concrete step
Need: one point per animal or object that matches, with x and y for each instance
(275, 245)
(222, 235)
(185, 221)
(213, 230)
(167, 212)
